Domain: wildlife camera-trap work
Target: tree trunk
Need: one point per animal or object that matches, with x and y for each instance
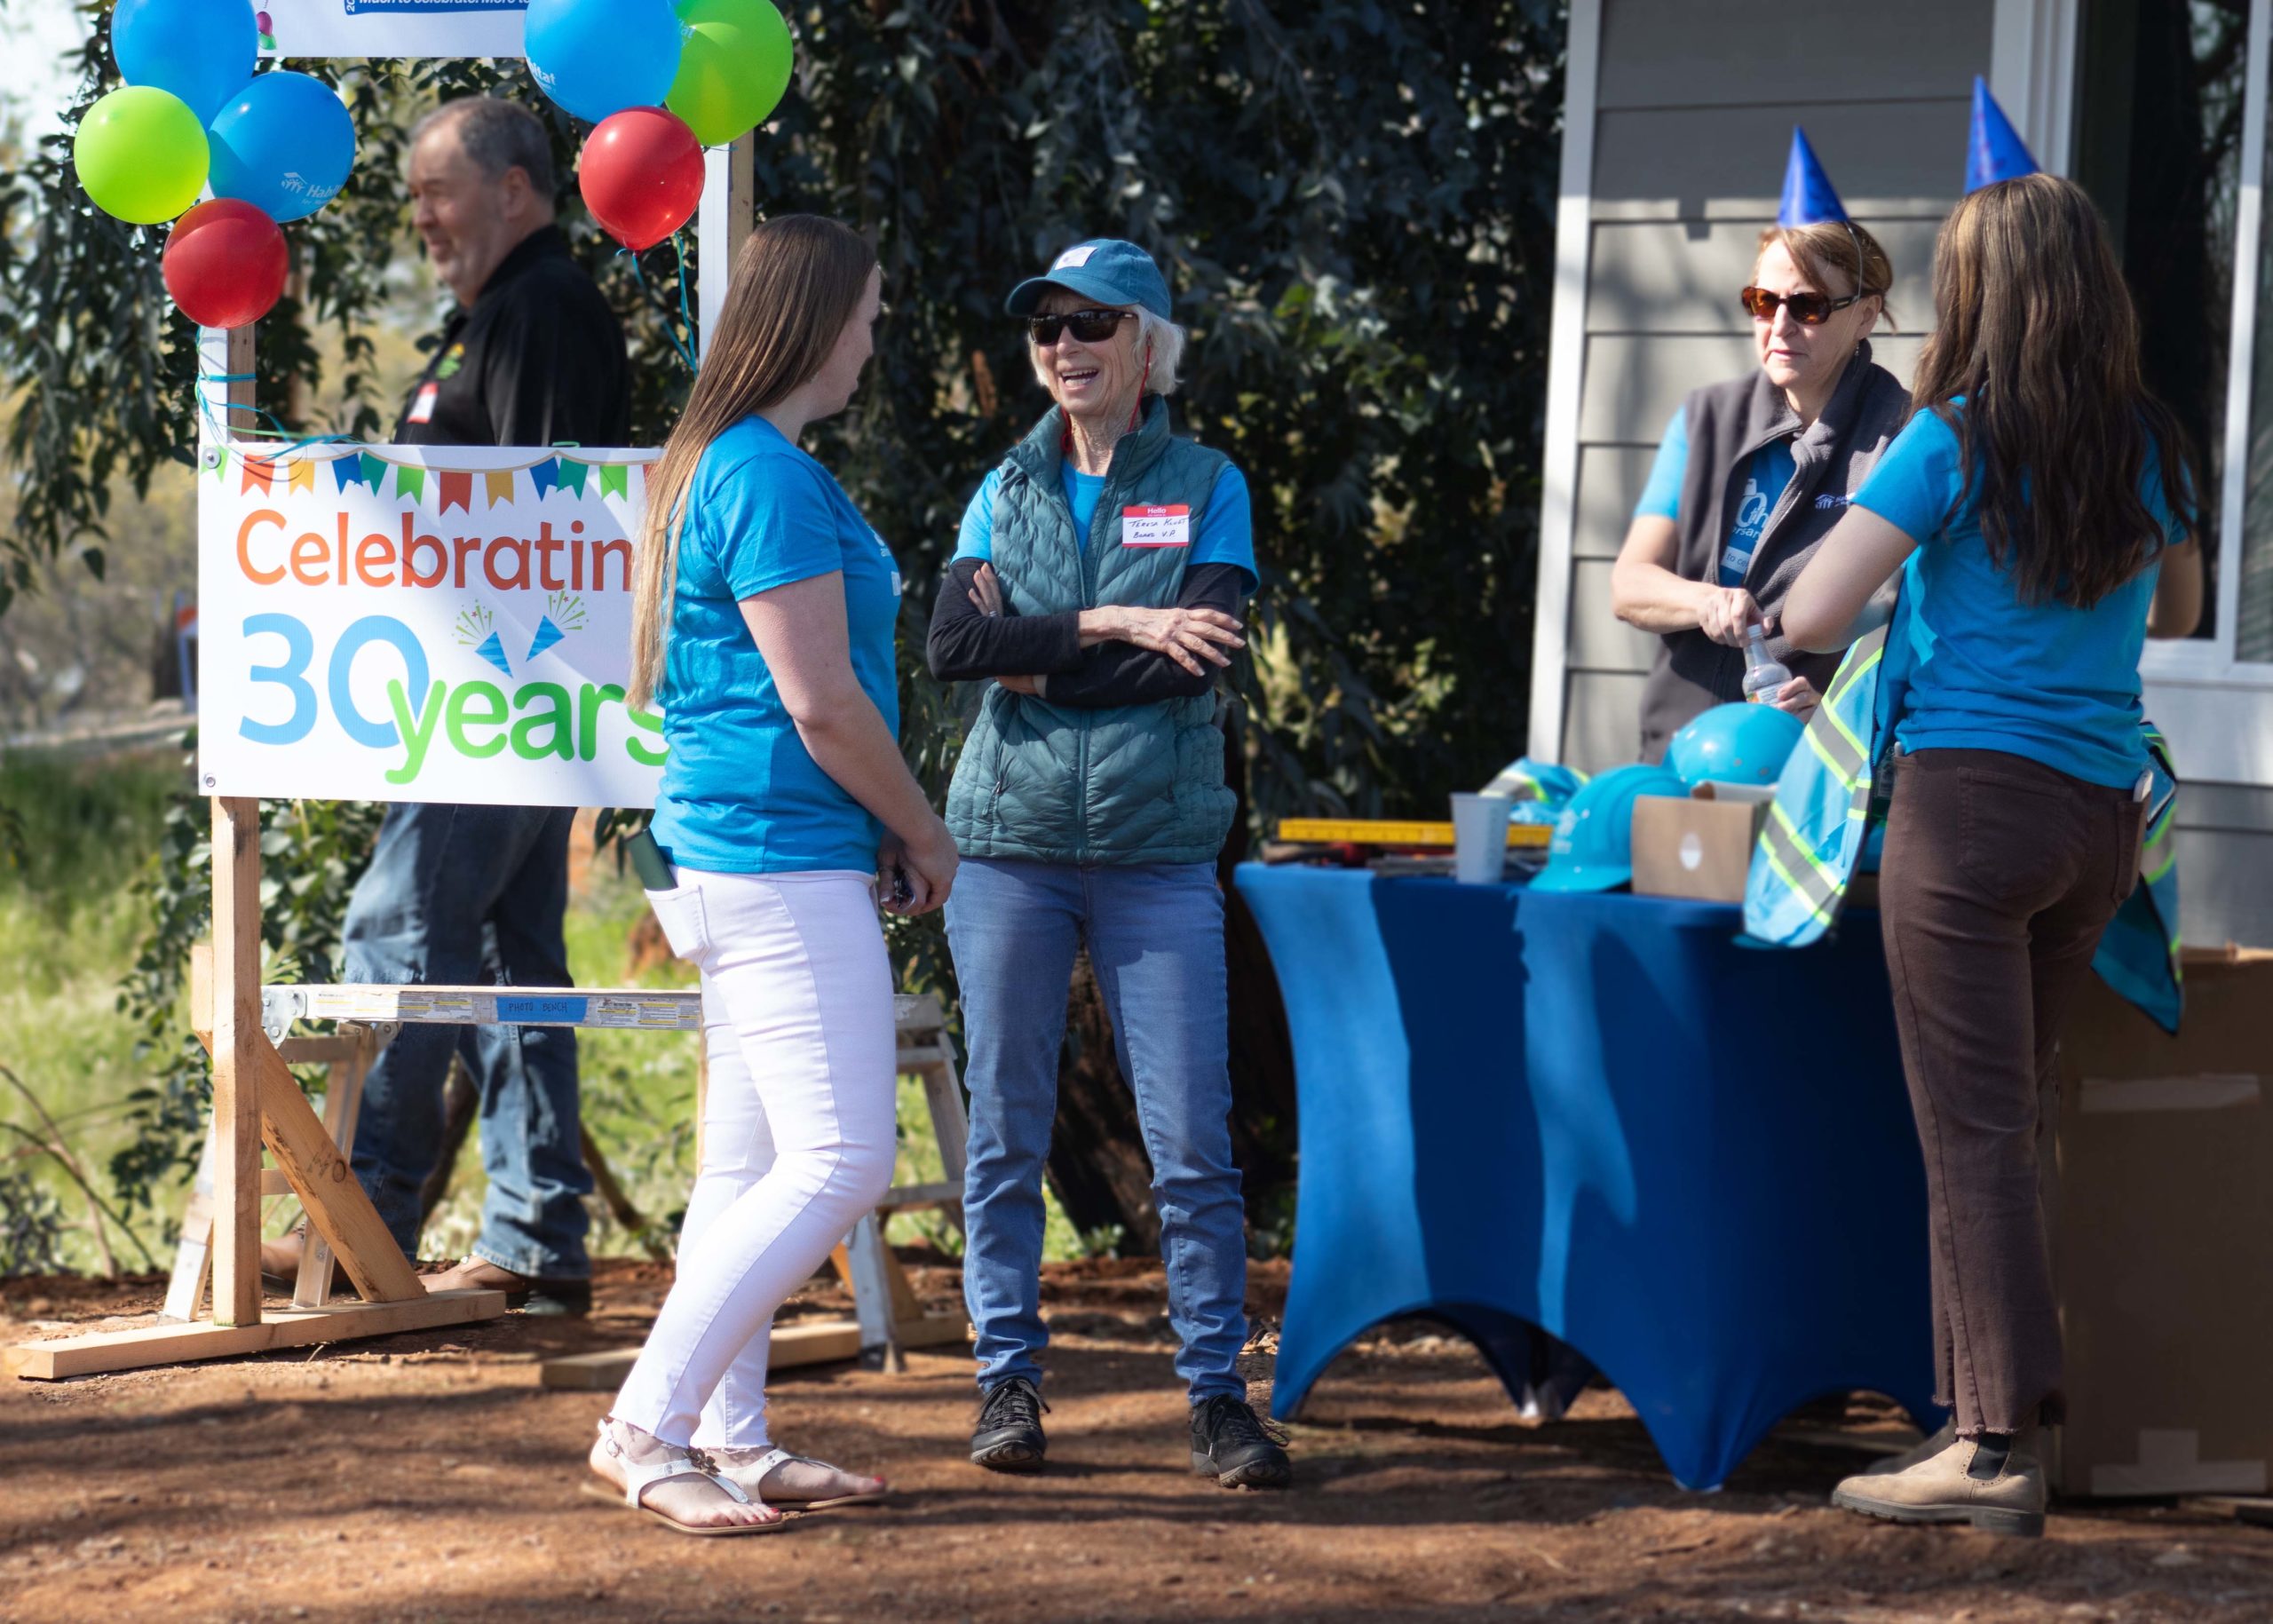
(1098, 1163)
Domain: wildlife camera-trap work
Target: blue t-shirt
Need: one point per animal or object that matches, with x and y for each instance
(740, 794)
(1770, 472)
(2055, 684)
(1226, 527)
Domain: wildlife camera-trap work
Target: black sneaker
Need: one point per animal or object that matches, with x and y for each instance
(1007, 1437)
(1236, 1447)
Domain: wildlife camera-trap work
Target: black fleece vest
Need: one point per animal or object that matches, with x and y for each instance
(1727, 423)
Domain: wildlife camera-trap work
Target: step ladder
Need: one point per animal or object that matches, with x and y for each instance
(888, 1319)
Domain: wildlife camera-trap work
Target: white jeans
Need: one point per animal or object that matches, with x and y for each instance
(798, 1131)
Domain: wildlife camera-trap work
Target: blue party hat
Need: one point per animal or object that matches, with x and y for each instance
(1809, 199)
(494, 652)
(547, 634)
(1996, 151)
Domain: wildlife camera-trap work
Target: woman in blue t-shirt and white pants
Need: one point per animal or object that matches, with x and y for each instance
(764, 613)
(2026, 506)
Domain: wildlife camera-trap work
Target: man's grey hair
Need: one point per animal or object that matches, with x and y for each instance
(1166, 339)
(498, 134)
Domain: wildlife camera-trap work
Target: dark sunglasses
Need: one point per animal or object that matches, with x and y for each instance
(1807, 309)
(1089, 326)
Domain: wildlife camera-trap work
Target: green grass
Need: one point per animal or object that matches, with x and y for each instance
(68, 928)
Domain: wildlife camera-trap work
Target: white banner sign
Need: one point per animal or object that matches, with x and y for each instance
(394, 27)
(421, 624)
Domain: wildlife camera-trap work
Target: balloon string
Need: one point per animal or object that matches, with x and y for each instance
(223, 432)
(669, 331)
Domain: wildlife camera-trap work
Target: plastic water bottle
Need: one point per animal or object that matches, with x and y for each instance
(1764, 677)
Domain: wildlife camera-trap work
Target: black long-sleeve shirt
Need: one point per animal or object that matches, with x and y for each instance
(967, 644)
(537, 360)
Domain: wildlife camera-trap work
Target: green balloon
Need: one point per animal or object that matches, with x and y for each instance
(141, 154)
(733, 68)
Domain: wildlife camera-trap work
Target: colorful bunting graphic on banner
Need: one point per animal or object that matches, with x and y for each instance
(346, 471)
(497, 485)
(221, 463)
(257, 470)
(302, 477)
(457, 491)
(410, 480)
(572, 475)
(547, 634)
(544, 476)
(615, 480)
(373, 472)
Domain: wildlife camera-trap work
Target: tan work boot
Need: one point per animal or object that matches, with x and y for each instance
(1924, 1449)
(1994, 1484)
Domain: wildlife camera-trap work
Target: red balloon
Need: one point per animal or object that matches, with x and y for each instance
(641, 175)
(224, 263)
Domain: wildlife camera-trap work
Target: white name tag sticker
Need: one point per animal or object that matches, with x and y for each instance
(422, 410)
(1074, 258)
(1156, 527)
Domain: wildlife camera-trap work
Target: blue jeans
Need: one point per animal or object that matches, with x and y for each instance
(1155, 936)
(470, 895)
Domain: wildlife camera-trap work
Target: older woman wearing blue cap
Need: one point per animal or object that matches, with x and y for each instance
(1096, 591)
(1752, 473)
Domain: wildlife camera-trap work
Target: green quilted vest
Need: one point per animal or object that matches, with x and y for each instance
(1059, 784)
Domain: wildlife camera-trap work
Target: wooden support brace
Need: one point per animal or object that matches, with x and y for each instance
(292, 1327)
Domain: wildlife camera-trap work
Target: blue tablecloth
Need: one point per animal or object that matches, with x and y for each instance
(1597, 1114)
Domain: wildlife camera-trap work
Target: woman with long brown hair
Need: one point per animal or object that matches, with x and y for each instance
(2040, 506)
(763, 621)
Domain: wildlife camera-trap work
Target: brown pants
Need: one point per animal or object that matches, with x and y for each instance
(1999, 874)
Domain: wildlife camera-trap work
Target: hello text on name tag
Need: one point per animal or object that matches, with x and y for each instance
(1156, 527)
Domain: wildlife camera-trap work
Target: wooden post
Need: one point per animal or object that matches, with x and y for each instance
(729, 210)
(237, 1038)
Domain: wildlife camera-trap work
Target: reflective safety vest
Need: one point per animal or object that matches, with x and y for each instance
(1829, 805)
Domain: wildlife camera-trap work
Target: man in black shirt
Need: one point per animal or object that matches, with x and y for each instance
(532, 356)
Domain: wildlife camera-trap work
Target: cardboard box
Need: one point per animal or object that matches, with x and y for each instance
(2160, 1192)
(1699, 848)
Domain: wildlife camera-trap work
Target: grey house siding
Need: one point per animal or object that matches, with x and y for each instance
(1695, 104)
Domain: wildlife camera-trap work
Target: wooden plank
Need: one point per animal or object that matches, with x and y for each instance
(237, 1044)
(327, 1051)
(342, 1105)
(336, 1206)
(808, 1342)
(909, 1198)
(172, 1344)
(193, 1253)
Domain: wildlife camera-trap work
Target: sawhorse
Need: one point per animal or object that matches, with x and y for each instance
(889, 1320)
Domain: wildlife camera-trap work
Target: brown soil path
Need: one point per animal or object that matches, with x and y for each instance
(430, 1478)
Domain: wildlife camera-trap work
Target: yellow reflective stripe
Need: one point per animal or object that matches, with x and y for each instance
(1817, 886)
(1852, 670)
(1846, 771)
(2168, 863)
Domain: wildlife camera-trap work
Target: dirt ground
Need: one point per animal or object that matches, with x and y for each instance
(429, 1476)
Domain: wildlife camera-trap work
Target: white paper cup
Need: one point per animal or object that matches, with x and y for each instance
(1480, 838)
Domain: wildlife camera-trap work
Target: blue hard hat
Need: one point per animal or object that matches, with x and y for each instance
(1735, 744)
(1104, 269)
(1593, 847)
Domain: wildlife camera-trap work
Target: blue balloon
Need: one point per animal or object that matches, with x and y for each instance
(201, 51)
(599, 57)
(284, 145)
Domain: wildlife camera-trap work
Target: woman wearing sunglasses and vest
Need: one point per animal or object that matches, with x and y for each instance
(1753, 474)
(1096, 590)
(2025, 509)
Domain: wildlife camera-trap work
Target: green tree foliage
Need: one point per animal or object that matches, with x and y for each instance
(1355, 204)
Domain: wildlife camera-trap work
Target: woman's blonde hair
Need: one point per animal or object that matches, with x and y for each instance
(1831, 252)
(797, 282)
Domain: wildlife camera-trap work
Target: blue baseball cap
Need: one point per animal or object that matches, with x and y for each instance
(1104, 269)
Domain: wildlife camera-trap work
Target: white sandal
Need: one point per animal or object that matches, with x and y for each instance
(754, 1475)
(640, 1476)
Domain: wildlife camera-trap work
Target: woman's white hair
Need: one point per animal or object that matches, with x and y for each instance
(1165, 339)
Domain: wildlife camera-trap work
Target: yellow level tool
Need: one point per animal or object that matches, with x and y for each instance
(1380, 832)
